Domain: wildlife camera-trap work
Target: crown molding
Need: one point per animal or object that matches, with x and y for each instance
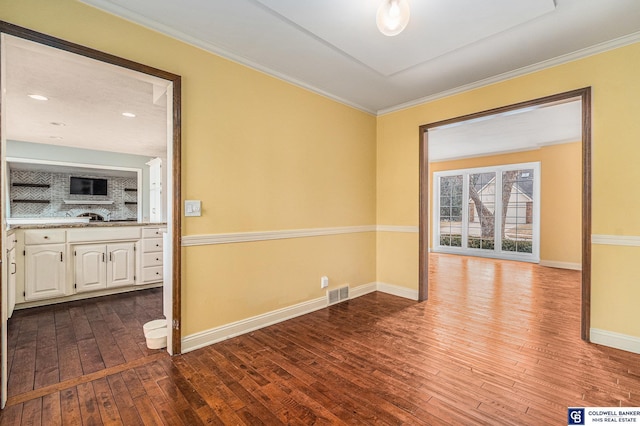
(559, 60)
(138, 19)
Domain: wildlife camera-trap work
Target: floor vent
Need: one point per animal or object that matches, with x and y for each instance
(338, 295)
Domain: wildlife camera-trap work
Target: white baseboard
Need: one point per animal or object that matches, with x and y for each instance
(615, 340)
(217, 334)
(395, 290)
(227, 331)
(561, 265)
(361, 290)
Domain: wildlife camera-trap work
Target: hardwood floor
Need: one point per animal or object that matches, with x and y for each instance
(52, 344)
(497, 343)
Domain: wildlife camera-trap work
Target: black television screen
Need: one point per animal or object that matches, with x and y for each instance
(87, 186)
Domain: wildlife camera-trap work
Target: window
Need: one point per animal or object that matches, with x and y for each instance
(490, 212)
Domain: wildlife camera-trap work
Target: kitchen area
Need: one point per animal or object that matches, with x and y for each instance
(87, 178)
(75, 231)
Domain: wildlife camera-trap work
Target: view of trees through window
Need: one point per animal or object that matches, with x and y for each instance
(487, 209)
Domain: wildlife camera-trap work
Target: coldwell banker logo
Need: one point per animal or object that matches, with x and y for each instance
(576, 416)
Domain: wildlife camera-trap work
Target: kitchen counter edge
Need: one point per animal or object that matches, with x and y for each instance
(83, 225)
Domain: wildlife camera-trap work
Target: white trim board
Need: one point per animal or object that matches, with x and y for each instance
(397, 228)
(227, 331)
(242, 237)
(561, 265)
(395, 290)
(616, 240)
(615, 340)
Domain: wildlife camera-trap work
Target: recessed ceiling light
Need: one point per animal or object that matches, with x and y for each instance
(55, 137)
(57, 123)
(128, 114)
(39, 97)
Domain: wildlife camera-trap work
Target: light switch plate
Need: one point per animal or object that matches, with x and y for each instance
(192, 208)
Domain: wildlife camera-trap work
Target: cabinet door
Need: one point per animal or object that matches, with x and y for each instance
(90, 267)
(11, 282)
(121, 266)
(44, 271)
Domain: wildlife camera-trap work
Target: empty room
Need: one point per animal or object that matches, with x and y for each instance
(376, 212)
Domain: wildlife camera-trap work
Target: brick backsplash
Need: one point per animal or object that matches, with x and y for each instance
(58, 191)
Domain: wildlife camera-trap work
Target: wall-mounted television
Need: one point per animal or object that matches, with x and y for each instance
(87, 186)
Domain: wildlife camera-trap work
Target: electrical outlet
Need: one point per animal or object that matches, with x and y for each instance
(324, 282)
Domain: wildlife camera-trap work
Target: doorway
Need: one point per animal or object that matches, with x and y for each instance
(163, 84)
(583, 97)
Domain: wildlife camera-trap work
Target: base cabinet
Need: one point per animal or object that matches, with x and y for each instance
(44, 271)
(60, 264)
(11, 275)
(151, 257)
(100, 266)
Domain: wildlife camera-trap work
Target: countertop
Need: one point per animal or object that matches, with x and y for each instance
(114, 223)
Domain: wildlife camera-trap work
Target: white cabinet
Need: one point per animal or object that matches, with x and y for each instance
(155, 190)
(90, 267)
(100, 266)
(151, 256)
(11, 274)
(44, 268)
(121, 264)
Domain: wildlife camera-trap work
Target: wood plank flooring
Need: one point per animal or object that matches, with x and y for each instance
(56, 343)
(497, 343)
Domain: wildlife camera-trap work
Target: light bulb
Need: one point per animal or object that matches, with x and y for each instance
(393, 16)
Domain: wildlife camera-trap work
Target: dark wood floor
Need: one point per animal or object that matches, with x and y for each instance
(497, 343)
(52, 344)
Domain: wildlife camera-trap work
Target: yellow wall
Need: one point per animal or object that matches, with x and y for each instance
(560, 192)
(265, 155)
(261, 154)
(616, 130)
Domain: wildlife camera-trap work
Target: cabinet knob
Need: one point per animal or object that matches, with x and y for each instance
(46, 237)
(157, 260)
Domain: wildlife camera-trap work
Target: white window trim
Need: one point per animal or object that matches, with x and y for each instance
(497, 253)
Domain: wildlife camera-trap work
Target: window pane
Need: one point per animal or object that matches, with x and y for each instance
(481, 224)
(450, 210)
(517, 212)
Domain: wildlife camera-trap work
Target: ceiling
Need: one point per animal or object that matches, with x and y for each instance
(86, 99)
(333, 47)
(518, 130)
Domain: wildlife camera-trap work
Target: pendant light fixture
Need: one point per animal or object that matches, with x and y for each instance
(393, 16)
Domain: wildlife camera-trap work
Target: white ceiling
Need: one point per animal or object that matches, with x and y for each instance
(86, 102)
(329, 46)
(520, 130)
(334, 48)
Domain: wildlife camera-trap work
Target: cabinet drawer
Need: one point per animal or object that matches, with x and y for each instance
(44, 236)
(152, 259)
(152, 232)
(92, 235)
(151, 274)
(151, 245)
